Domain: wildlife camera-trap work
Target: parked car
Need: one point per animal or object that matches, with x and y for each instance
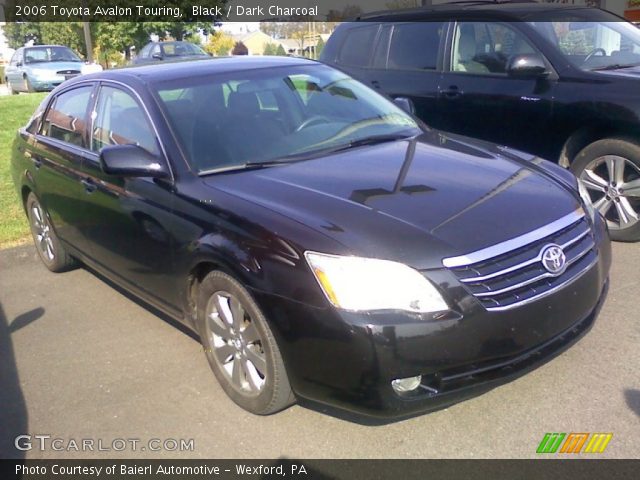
(44, 67)
(159, 51)
(323, 243)
(561, 82)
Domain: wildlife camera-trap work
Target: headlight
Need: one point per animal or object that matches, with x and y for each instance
(43, 73)
(586, 200)
(364, 284)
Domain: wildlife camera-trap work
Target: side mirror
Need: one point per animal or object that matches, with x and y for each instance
(527, 66)
(405, 104)
(131, 161)
(18, 64)
(157, 56)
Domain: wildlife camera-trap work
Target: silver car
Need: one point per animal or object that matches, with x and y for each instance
(43, 67)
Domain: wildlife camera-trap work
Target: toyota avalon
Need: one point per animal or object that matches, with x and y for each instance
(324, 244)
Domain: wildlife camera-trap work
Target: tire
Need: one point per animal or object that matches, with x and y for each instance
(51, 252)
(27, 85)
(241, 350)
(610, 169)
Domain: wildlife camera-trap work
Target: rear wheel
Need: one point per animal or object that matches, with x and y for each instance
(610, 170)
(50, 250)
(240, 346)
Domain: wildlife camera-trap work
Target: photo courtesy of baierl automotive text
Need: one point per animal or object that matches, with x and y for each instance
(355, 238)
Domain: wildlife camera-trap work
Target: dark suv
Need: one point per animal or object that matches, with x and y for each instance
(560, 82)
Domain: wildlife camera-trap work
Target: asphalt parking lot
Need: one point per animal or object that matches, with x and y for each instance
(80, 360)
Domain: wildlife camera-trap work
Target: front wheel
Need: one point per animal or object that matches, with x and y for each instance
(610, 170)
(51, 251)
(240, 346)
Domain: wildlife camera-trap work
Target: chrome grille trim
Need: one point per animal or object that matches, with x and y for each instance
(548, 292)
(524, 264)
(521, 276)
(534, 279)
(514, 243)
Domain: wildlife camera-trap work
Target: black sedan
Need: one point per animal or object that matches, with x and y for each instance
(323, 243)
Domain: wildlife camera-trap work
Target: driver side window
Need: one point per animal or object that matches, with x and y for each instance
(486, 48)
(119, 120)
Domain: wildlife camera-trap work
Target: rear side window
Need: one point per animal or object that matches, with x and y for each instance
(119, 120)
(65, 118)
(415, 46)
(356, 47)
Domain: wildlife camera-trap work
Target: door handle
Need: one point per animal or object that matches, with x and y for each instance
(89, 186)
(452, 92)
(375, 83)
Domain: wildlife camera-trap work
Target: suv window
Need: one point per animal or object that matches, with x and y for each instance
(119, 120)
(414, 46)
(357, 45)
(65, 119)
(486, 48)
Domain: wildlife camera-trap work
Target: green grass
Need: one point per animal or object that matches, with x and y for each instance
(15, 111)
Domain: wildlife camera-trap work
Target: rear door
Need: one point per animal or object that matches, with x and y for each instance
(479, 99)
(57, 154)
(406, 62)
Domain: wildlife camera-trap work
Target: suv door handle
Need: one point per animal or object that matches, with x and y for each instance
(375, 83)
(89, 186)
(452, 92)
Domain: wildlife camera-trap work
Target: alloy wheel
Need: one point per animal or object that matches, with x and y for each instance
(236, 343)
(613, 183)
(42, 232)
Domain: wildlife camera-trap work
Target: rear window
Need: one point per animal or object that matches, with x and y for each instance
(65, 118)
(356, 47)
(415, 46)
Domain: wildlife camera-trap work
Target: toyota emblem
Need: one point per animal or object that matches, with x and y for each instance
(553, 259)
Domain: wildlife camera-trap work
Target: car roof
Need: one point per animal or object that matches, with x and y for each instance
(514, 10)
(185, 69)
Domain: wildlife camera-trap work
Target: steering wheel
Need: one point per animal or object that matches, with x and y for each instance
(593, 52)
(310, 121)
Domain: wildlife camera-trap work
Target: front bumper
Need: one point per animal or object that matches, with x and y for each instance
(348, 360)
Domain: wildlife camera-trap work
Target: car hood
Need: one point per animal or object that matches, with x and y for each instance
(412, 200)
(56, 66)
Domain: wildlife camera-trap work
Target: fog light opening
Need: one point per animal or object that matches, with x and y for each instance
(404, 385)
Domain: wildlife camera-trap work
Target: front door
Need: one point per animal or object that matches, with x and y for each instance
(129, 218)
(479, 99)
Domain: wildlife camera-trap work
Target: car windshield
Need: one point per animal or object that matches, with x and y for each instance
(280, 114)
(594, 45)
(181, 49)
(49, 54)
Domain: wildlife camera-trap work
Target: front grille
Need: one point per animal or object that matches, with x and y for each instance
(68, 72)
(516, 276)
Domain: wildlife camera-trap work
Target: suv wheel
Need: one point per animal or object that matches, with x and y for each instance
(50, 250)
(610, 170)
(240, 346)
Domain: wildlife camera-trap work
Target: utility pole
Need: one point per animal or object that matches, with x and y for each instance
(87, 35)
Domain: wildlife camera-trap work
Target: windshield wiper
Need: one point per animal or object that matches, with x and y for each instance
(615, 66)
(372, 140)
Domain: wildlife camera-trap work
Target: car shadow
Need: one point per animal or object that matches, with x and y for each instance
(13, 410)
(632, 397)
(141, 303)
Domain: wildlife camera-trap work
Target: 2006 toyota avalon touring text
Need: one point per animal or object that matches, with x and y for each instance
(323, 243)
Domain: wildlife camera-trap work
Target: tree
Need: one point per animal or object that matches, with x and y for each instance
(69, 34)
(219, 44)
(280, 51)
(270, 49)
(18, 34)
(240, 49)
